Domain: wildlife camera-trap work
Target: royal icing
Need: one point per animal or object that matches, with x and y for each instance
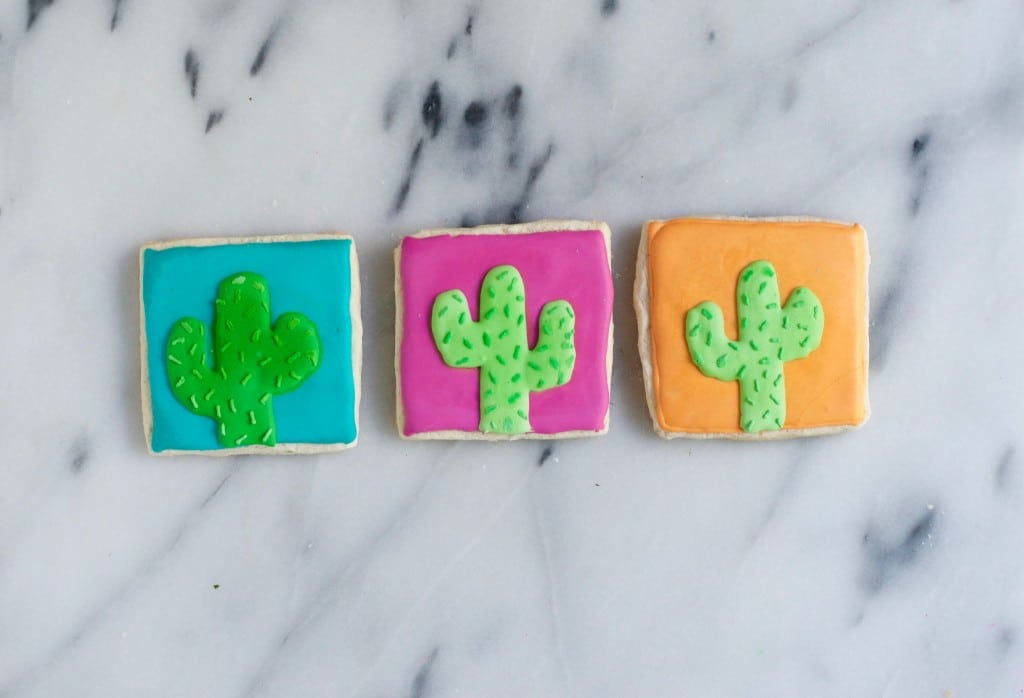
(770, 334)
(253, 360)
(509, 369)
(561, 265)
(690, 261)
(313, 275)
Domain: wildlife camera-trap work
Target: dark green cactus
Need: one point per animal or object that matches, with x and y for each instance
(253, 361)
(769, 336)
(497, 345)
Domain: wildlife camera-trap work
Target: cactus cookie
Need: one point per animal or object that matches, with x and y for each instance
(250, 345)
(254, 360)
(753, 328)
(504, 332)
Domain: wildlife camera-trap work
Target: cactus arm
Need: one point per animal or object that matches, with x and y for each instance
(550, 363)
(714, 354)
(290, 353)
(803, 322)
(193, 384)
(457, 337)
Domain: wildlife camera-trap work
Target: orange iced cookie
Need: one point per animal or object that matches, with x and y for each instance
(753, 328)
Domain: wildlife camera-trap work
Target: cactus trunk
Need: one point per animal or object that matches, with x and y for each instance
(763, 399)
(503, 409)
(253, 361)
(497, 345)
(769, 336)
(250, 422)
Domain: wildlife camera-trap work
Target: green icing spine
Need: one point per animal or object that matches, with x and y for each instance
(497, 345)
(253, 361)
(769, 336)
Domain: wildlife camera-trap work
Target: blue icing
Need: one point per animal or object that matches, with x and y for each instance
(311, 277)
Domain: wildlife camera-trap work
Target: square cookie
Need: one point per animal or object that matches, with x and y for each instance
(753, 328)
(504, 331)
(250, 345)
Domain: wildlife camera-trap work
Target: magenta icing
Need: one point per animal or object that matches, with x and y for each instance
(570, 265)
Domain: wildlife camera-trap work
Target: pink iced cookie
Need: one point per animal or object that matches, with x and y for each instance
(504, 331)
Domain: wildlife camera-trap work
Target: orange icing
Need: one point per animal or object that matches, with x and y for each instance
(695, 260)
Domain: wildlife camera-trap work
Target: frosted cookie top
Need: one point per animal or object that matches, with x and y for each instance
(504, 331)
(250, 345)
(757, 327)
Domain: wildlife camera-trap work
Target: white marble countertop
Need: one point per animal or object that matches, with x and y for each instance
(884, 562)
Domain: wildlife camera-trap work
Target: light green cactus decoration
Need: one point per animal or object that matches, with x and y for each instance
(769, 336)
(497, 345)
(253, 361)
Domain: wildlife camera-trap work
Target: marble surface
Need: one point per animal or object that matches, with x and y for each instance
(885, 562)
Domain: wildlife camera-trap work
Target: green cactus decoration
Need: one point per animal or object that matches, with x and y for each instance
(769, 336)
(253, 361)
(497, 345)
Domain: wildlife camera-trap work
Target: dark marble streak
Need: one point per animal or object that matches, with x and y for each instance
(512, 107)
(115, 16)
(433, 109)
(410, 172)
(711, 36)
(829, 32)
(885, 560)
(1005, 639)
(609, 7)
(475, 114)
(432, 113)
(420, 687)
(261, 54)
(545, 455)
(917, 147)
(513, 102)
(80, 453)
(886, 309)
(789, 95)
(467, 34)
(919, 168)
(192, 72)
(788, 485)
(1004, 469)
(391, 105)
(35, 8)
(214, 118)
(475, 121)
(130, 585)
(884, 313)
(516, 211)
